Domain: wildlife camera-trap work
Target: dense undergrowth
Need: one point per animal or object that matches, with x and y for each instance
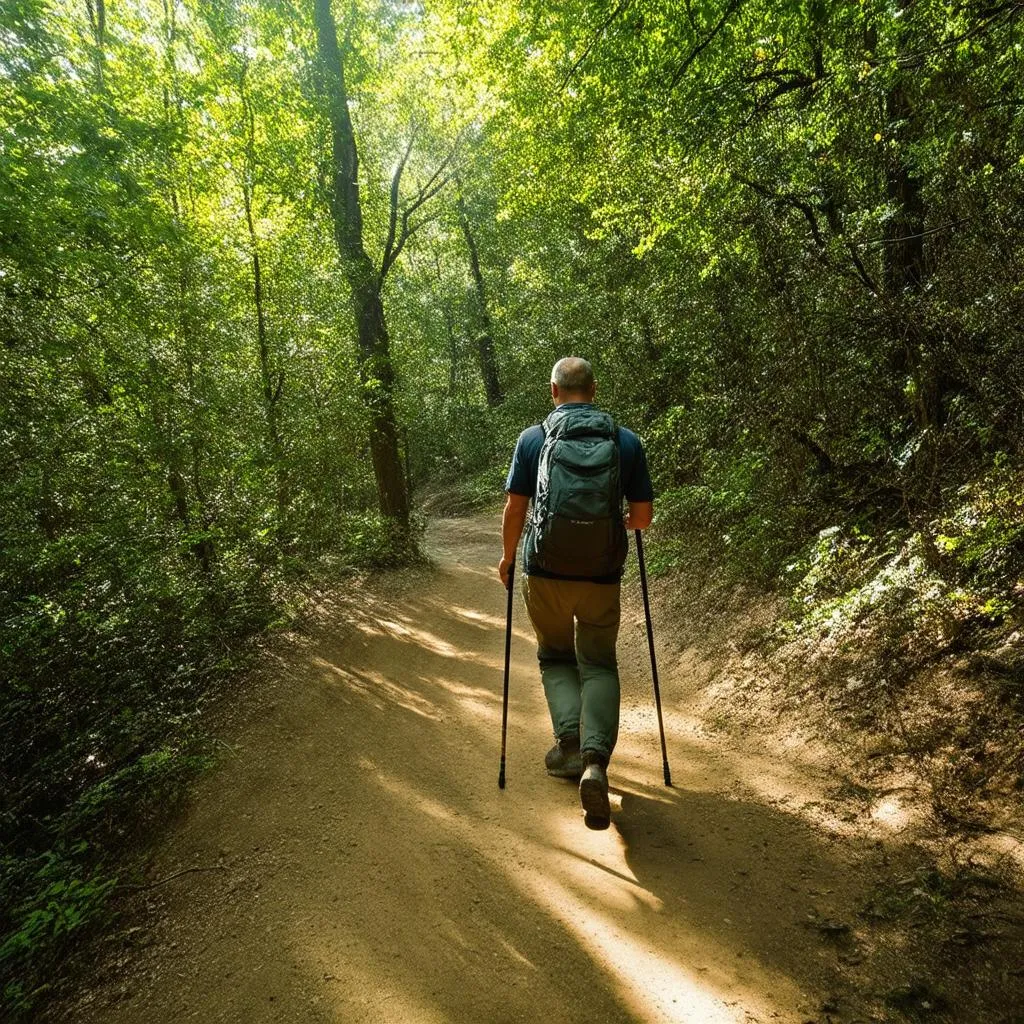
(909, 636)
(918, 636)
(904, 645)
(108, 690)
(789, 238)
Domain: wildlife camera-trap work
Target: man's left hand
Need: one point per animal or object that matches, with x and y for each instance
(503, 569)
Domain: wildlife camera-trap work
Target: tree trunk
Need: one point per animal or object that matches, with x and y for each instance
(906, 271)
(98, 23)
(375, 368)
(177, 470)
(904, 234)
(453, 357)
(272, 388)
(485, 334)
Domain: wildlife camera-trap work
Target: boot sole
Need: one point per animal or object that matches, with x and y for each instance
(566, 773)
(594, 798)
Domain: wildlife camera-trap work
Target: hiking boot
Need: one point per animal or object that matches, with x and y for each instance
(594, 796)
(563, 760)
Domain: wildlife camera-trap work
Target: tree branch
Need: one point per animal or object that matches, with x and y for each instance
(622, 5)
(786, 80)
(170, 878)
(787, 199)
(400, 227)
(989, 20)
(396, 180)
(733, 6)
(861, 270)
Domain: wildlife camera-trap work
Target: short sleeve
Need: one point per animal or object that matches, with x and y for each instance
(636, 483)
(522, 474)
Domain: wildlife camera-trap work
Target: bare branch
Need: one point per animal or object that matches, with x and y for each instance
(170, 878)
(425, 219)
(733, 6)
(804, 207)
(396, 180)
(787, 199)
(408, 230)
(990, 19)
(862, 273)
(602, 28)
(400, 227)
(428, 190)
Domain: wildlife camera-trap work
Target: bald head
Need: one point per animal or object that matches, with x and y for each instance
(572, 380)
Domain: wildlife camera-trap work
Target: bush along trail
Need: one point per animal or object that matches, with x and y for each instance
(352, 858)
(277, 280)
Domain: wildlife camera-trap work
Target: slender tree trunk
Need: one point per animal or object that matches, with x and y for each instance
(271, 389)
(203, 549)
(272, 385)
(375, 367)
(904, 233)
(98, 23)
(906, 271)
(485, 334)
(904, 244)
(453, 342)
(453, 356)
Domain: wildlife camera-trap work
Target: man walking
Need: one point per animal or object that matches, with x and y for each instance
(576, 468)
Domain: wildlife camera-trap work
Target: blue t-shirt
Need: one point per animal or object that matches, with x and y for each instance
(633, 472)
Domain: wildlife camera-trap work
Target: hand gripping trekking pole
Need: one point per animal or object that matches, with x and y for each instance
(654, 664)
(508, 651)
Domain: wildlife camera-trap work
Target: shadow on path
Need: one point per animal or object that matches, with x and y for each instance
(372, 871)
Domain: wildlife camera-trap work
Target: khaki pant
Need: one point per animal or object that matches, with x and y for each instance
(577, 625)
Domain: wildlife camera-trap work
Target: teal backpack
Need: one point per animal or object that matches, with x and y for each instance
(575, 526)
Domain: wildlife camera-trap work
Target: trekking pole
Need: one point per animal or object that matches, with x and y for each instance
(508, 651)
(654, 664)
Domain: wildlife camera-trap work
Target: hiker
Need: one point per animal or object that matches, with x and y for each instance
(576, 468)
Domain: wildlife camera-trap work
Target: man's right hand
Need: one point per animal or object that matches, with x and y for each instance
(639, 515)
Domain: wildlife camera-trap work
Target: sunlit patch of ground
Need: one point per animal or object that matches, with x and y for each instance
(365, 867)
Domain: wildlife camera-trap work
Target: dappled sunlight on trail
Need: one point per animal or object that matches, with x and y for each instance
(379, 690)
(374, 872)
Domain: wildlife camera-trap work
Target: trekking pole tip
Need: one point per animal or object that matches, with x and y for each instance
(668, 777)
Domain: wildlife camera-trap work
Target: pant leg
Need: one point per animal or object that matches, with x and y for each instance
(550, 607)
(597, 630)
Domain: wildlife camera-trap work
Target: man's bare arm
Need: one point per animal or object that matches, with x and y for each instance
(513, 519)
(640, 515)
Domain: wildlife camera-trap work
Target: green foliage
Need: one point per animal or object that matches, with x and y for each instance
(180, 438)
(983, 532)
(788, 237)
(373, 541)
(55, 901)
(483, 491)
(925, 589)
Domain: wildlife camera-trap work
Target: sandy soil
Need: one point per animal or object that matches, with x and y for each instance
(352, 859)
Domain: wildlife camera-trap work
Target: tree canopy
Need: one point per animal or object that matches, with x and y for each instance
(272, 270)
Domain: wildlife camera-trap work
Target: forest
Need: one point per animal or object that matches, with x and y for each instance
(279, 279)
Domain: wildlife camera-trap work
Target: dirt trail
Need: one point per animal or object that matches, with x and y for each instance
(358, 862)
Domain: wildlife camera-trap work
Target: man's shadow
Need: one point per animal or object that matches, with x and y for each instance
(734, 878)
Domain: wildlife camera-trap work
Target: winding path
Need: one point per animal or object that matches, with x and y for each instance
(360, 864)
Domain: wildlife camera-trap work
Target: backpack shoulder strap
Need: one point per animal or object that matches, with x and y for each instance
(613, 429)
